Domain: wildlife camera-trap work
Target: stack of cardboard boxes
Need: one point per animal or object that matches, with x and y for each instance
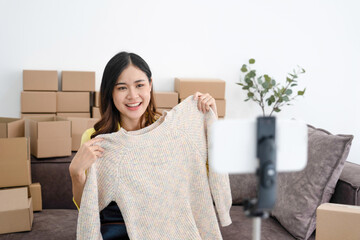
(19, 197)
(38, 97)
(56, 119)
(215, 87)
(74, 102)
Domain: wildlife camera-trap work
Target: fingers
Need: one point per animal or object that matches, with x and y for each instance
(92, 141)
(196, 95)
(205, 102)
(96, 148)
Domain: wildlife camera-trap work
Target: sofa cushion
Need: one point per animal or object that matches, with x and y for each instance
(300, 193)
(243, 186)
(347, 189)
(241, 228)
(52, 224)
(54, 178)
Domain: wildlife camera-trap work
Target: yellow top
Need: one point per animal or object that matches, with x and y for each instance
(86, 136)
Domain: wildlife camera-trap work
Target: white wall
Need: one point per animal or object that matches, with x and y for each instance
(196, 39)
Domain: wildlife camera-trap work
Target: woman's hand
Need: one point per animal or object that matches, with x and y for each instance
(84, 158)
(205, 102)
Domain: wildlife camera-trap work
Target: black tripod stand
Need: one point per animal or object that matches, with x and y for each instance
(260, 207)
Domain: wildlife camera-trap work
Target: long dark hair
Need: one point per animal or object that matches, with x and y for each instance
(110, 115)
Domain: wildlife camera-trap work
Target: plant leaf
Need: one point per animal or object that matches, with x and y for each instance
(251, 74)
(301, 93)
(288, 91)
(267, 78)
(244, 68)
(251, 61)
(277, 109)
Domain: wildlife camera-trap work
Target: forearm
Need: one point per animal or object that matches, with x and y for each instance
(78, 183)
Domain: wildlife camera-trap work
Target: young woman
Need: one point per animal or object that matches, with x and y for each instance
(126, 102)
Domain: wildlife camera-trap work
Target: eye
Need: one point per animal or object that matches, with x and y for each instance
(121, 88)
(140, 85)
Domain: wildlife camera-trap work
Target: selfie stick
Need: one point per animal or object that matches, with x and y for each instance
(261, 206)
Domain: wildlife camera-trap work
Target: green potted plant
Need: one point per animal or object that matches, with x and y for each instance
(263, 89)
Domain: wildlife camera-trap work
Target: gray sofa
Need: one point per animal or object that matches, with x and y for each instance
(59, 215)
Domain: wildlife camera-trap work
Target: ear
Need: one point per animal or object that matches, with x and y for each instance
(151, 80)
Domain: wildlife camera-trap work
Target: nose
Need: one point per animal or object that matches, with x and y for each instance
(132, 93)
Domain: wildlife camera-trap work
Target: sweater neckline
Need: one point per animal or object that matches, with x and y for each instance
(148, 135)
(149, 129)
(153, 133)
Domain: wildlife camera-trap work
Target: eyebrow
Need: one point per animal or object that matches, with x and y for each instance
(122, 83)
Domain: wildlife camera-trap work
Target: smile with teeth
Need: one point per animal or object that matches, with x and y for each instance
(133, 105)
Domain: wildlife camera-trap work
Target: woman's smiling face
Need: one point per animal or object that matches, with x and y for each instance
(131, 94)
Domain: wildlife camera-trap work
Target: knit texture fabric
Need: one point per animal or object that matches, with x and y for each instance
(157, 175)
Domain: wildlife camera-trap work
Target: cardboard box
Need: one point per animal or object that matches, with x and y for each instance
(161, 110)
(78, 127)
(14, 162)
(220, 106)
(39, 80)
(49, 136)
(38, 102)
(35, 193)
(30, 115)
(97, 99)
(166, 99)
(74, 114)
(78, 81)
(16, 212)
(11, 127)
(73, 102)
(96, 112)
(337, 221)
(188, 86)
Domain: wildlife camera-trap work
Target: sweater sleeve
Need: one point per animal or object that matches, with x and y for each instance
(194, 124)
(219, 183)
(88, 225)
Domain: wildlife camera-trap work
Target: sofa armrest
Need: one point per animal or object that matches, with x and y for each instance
(347, 189)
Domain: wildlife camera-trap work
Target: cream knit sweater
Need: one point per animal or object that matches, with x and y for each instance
(158, 177)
